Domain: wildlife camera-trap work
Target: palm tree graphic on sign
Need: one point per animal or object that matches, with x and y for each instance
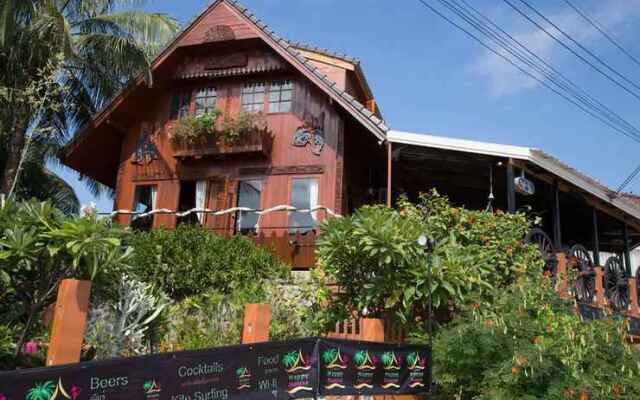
(294, 361)
(390, 361)
(333, 358)
(415, 361)
(363, 360)
(47, 391)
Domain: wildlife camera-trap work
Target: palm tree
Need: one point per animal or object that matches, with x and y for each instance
(41, 391)
(97, 47)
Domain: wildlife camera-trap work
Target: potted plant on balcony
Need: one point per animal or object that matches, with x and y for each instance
(215, 126)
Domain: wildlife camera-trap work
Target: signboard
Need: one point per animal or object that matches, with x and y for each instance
(303, 368)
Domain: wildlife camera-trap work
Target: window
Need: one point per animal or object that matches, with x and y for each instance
(304, 195)
(180, 103)
(144, 201)
(249, 193)
(280, 95)
(206, 100)
(253, 97)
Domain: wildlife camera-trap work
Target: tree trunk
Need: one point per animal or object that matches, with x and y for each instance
(17, 138)
(25, 332)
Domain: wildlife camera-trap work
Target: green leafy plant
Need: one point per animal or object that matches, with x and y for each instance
(39, 247)
(374, 259)
(528, 343)
(216, 125)
(120, 328)
(189, 261)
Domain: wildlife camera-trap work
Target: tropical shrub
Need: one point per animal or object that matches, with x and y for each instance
(191, 129)
(212, 319)
(189, 260)
(39, 246)
(529, 344)
(373, 258)
(121, 328)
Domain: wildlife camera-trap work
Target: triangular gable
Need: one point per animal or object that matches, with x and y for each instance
(226, 19)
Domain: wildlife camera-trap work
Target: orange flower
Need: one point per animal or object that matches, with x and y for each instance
(514, 370)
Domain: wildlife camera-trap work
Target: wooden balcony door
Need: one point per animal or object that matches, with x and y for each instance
(221, 196)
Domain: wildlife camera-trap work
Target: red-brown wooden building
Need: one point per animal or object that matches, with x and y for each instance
(324, 143)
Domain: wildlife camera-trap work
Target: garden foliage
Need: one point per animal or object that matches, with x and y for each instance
(189, 261)
(528, 343)
(193, 129)
(374, 259)
(40, 246)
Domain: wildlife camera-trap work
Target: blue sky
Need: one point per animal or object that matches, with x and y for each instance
(428, 77)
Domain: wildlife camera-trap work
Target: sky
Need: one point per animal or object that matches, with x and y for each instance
(428, 77)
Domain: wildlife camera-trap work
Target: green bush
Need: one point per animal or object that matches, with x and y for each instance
(213, 319)
(374, 259)
(529, 344)
(189, 261)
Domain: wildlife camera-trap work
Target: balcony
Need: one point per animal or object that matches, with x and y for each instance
(257, 142)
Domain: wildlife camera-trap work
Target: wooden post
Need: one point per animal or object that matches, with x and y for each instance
(596, 238)
(511, 189)
(601, 298)
(634, 308)
(389, 173)
(561, 275)
(70, 317)
(557, 228)
(627, 254)
(255, 328)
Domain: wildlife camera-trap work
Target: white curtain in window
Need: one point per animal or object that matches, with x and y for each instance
(313, 197)
(201, 193)
(154, 196)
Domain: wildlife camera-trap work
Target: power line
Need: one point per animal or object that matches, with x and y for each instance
(581, 103)
(603, 31)
(563, 44)
(541, 66)
(553, 74)
(583, 100)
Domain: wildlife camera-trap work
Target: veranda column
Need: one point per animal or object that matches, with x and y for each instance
(389, 173)
(627, 254)
(596, 238)
(557, 228)
(511, 189)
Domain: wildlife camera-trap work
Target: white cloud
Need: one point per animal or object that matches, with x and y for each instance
(504, 79)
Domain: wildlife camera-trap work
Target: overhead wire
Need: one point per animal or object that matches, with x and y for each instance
(573, 51)
(603, 31)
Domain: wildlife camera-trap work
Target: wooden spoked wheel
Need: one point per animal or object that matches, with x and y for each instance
(584, 286)
(538, 237)
(616, 284)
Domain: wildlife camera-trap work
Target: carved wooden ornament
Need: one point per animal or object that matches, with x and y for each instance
(219, 33)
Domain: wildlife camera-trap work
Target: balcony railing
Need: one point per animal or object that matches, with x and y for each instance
(257, 142)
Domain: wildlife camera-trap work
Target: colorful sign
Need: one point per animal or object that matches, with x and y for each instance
(275, 370)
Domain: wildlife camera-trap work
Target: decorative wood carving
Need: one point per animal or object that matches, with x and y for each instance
(236, 60)
(283, 170)
(219, 33)
(311, 133)
(146, 150)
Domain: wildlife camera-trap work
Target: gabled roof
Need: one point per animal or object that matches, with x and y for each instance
(532, 155)
(282, 46)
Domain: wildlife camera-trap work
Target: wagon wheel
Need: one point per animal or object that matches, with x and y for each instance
(539, 238)
(616, 284)
(585, 283)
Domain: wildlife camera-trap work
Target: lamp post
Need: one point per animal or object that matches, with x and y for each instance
(427, 245)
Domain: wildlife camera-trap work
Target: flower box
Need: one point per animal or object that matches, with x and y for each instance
(256, 142)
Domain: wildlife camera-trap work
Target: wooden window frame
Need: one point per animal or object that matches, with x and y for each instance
(253, 103)
(281, 90)
(207, 90)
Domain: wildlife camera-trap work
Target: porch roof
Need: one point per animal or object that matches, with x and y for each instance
(527, 154)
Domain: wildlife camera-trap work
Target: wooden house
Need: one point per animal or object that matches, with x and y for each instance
(315, 138)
